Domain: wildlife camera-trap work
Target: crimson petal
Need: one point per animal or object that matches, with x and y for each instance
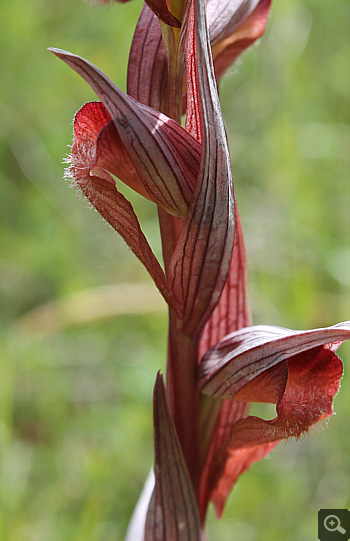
(98, 144)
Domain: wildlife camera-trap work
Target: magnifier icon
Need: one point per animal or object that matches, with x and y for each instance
(332, 524)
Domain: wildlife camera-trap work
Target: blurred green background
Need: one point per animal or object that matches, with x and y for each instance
(77, 370)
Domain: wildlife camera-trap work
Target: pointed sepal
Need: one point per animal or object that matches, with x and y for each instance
(235, 29)
(164, 155)
(246, 354)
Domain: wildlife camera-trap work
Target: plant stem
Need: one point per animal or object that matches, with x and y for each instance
(183, 393)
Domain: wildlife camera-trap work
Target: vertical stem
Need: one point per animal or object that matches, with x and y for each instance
(183, 393)
(182, 365)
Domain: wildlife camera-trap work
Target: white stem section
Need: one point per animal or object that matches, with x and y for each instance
(136, 529)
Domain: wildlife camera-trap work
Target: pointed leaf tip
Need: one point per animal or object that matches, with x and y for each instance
(173, 511)
(59, 52)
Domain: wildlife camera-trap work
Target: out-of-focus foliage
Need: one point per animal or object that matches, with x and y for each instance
(76, 398)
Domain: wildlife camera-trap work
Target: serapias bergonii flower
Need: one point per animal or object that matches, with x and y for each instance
(296, 370)
(217, 362)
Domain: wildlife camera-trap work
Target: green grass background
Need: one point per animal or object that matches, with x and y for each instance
(76, 420)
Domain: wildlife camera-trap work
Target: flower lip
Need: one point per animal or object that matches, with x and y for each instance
(97, 144)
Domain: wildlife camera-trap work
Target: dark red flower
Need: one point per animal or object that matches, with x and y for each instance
(217, 362)
(296, 370)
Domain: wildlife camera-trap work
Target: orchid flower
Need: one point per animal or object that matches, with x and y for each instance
(218, 363)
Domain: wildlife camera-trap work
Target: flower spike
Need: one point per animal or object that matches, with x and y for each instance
(218, 363)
